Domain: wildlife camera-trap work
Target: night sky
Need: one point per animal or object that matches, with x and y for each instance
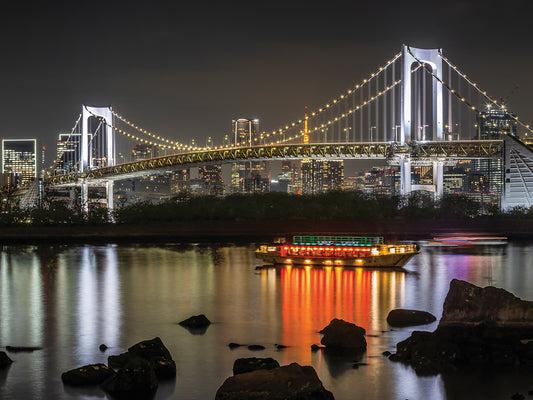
(186, 71)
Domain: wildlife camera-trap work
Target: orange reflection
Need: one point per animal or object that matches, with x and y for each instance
(312, 297)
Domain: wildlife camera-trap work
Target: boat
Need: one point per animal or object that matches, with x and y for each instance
(346, 251)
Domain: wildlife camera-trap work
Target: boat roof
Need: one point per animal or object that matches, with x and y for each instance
(337, 240)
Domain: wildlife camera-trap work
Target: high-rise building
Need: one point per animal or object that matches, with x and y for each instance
(245, 131)
(19, 157)
(68, 156)
(493, 122)
(247, 176)
(320, 176)
(142, 151)
(211, 178)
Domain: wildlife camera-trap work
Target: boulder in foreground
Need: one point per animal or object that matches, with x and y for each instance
(290, 382)
(479, 327)
(4, 359)
(343, 336)
(243, 365)
(402, 317)
(93, 374)
(136, 381)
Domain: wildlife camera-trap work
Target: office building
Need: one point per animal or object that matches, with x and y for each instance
(210, 177)
(319, 176)
(493, 122)
(67, 153)
(19, 157)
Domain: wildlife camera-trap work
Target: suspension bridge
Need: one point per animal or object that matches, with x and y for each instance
(416, 109)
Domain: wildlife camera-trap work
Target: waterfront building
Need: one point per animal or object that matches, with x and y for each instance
(319, 176)
(384, 180)
(245, 131)
(19, 157)
(289, 179)
(495, 122)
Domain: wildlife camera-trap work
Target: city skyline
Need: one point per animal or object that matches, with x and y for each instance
(167, 67)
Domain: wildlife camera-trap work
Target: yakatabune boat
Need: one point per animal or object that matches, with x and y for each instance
(350, 251)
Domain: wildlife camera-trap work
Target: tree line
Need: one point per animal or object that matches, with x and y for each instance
(265, 206)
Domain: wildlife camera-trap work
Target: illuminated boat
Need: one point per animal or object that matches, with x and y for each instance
(349, 251)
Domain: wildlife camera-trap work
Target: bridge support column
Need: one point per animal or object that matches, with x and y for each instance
(438, 178)
(109, 195)
(405, 176)
(84, 194)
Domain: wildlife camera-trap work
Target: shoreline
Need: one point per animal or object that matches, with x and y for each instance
(261, 230)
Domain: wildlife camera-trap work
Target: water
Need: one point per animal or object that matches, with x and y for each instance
(71, 299)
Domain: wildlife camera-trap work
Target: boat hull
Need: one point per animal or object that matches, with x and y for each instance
(381, 261)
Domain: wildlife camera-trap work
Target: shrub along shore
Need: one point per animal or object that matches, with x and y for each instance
(263, 216)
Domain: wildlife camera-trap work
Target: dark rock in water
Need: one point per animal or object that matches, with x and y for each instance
(256, 347)
(243, 365)
(315, 347)
(530, 392)
(386, 353)
(290, 382)
(196, 321)
(480, 327)
(401, 317)
(355, 366)
(93, 374)
(153, 351)
(343, 336)
(149, 349)
(4, 359)
(281, 346)
(234, 345)
(163, 367)
(133, 382)
(20, 349)
(103, 347)
(518, 396)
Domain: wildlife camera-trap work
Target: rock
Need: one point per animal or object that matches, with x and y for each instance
(290, 382)
(234, 345)
(20, 349)
(256, 347)
(386, 353)
(343, 336)
(470, 305)
(4, 359)
(281, 346)
(196, 321)
(93, 374)
(401, 317)
(103, 347)
(479, 327)
(316, 347)
(153, 351)
(137, 381)
(243, 365)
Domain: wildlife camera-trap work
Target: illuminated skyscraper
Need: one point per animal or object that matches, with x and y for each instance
(142, 151)
(247, 176)
(494, 122)
(19, 157)
(67, 159)
(320, 176)
(211, 178)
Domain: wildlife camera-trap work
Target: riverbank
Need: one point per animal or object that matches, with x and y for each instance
(264, 230)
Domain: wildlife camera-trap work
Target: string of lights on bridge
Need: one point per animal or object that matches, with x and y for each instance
(175, 145)
(483, 93)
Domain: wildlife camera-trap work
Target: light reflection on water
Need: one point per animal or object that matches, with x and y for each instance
(71, 299)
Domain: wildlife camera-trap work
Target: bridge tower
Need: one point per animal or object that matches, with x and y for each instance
(86, 156)
(410, 56)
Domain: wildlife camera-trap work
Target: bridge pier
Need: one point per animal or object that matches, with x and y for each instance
(437, 186)
(109, 196)
(405, 175)
(84, 194)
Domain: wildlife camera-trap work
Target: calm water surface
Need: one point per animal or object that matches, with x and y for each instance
(71, 299)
